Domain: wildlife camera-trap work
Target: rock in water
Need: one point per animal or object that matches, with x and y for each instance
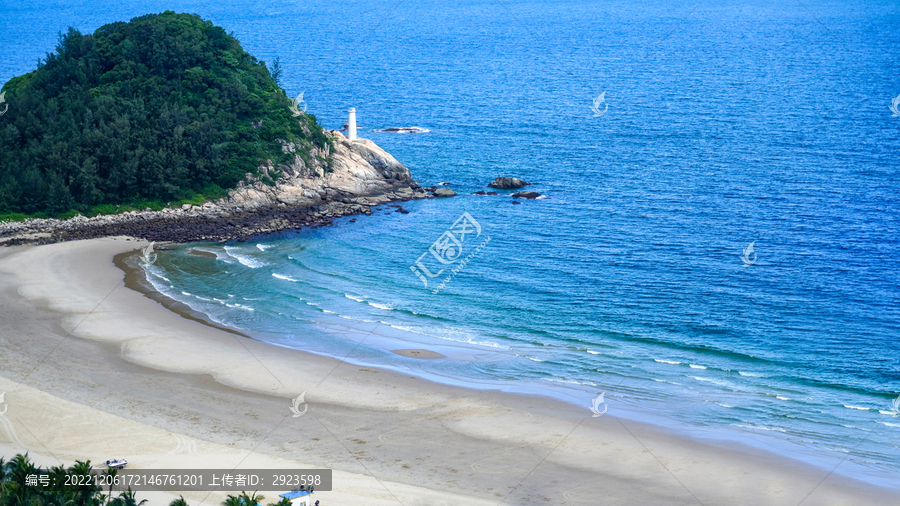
(508, 183)
(526, 195)
(516, 202)
(444, 192)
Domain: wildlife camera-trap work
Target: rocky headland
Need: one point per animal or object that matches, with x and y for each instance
(360, 176)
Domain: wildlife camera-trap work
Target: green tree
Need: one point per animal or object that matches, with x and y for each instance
(179, 502)
(158, 108)
(276, 71)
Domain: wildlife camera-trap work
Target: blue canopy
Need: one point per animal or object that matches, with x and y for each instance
(293, 494)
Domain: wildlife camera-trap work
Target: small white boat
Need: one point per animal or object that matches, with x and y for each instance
(116, 463)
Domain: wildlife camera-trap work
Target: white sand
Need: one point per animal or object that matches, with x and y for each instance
(134, 380)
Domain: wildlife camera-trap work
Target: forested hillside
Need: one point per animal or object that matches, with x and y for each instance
(158, 109)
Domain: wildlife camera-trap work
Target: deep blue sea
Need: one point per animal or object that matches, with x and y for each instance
(723, 124)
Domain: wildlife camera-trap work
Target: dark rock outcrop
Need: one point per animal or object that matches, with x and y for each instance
(508, 183)
(526, 195)
(360, 177)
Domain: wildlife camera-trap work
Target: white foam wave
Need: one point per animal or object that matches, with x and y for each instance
(697, 366)
(357, 299)
(672, 362)
(263, 247)
(244, 259)
(772, 429)
(186, 293)
(664, 381)
(155, 272)
(286, 278)
(570, 382)
(714, 382)
(379, 306)
(535, 359)
(751, 374)
(858, 407)
(723, 405)
(782, 398)
(592, 352)
(889, 424)
(404, 130)
(886, 412)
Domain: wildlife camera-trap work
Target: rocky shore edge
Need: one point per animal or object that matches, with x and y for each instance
(308, 193)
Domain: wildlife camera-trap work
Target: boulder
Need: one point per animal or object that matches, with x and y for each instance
(516, 202)
(526, 195)
(508, 183)
(444, 192)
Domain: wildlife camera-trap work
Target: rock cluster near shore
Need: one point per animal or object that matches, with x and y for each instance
(362, 175)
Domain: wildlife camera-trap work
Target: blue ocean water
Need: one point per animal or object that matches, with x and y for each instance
(723, 124)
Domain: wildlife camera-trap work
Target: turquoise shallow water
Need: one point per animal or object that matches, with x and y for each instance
(727, 123)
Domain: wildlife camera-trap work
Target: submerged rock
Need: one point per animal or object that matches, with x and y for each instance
(444, 192)
(527, 195)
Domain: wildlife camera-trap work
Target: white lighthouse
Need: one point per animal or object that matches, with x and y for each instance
(351, 124)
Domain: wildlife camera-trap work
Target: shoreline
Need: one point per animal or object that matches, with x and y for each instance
(573, 397)
(440, 439)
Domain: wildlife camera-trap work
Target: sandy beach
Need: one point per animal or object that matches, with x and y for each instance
(92, 369)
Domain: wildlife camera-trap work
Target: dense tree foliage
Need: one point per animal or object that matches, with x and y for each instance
(160, 108)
